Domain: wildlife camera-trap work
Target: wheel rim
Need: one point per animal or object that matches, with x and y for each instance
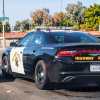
(5, 64)
(40, 75)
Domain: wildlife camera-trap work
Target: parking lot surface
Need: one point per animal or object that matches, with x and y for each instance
(22, 89)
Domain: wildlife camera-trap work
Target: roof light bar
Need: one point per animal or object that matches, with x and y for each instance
(53, 29)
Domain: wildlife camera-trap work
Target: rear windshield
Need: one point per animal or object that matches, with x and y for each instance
(72, 38)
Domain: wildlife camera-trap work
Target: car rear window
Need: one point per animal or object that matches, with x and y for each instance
(71, 38)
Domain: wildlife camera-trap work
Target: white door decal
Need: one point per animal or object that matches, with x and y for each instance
(16, 60)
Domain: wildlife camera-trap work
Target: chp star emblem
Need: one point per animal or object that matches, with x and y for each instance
(16, 59)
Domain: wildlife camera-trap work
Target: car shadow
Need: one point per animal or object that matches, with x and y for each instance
(74, 88)
(69, 87)
(6, 78)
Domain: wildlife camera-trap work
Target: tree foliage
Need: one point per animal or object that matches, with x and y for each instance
(75, 15)
(41, 17)
(24, 25)
(58, 18)
(7, 27)
(84, 18)
(75, 12)
(92, 17)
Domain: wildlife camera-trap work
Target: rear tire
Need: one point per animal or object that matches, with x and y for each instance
(41, 77)
(5, 68)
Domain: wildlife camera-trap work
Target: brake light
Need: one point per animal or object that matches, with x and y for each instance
(65, 53)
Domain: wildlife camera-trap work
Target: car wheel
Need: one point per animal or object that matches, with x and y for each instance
(41, 78)
(5, 68)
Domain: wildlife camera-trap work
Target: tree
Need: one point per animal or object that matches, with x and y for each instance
(7, 27)
(0, 26)
(17, 26)
(41, 17)
(24, 25)
(82, 17)
(75, 12)
(92, 17)
(58, 18)
(66, 22)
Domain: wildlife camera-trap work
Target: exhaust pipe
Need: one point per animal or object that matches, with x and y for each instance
(67, 79)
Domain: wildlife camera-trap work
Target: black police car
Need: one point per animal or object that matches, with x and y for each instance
(59, 57)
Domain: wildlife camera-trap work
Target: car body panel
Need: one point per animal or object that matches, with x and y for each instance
(16, 60)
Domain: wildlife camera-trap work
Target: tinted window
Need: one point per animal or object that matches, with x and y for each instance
(25, 40)
(38, 39)
(71, 38)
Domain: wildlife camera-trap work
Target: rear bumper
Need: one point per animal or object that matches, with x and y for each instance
(82, 77)
(82, 80)
(71, 72)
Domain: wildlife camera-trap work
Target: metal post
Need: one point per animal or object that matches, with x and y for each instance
(3, 34)
(3, 8)
(3, 24)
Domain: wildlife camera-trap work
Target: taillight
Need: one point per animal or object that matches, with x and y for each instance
(65, 53)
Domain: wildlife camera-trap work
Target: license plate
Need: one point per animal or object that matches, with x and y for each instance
(95, 68)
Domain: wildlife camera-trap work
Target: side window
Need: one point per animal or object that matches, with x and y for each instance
(25, 41)
(38, 39)
(85, 39)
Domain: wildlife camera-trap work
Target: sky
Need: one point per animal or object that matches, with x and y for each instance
(22, 9)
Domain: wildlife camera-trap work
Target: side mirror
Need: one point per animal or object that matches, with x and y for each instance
(13, 44)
